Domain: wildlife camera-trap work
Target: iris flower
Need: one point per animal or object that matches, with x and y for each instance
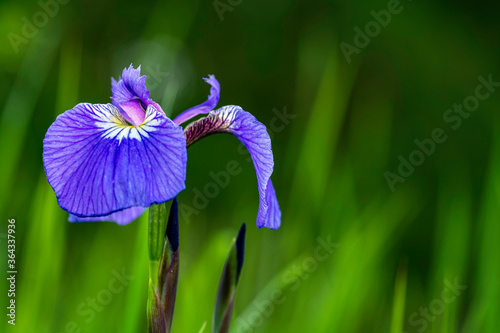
(109, 162)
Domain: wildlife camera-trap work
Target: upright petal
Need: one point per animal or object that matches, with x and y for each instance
(98, 165)
(253, 134)
(205, 107)
(121, 217)
(131, 96)
(130, 86)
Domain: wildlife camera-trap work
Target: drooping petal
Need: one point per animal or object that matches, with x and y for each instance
(274, 212)
(253, 134)
(205, 107)
(121, 217)
(97, 164)
(131, 96)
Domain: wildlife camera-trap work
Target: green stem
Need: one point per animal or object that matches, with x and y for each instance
(156, 233)
(153, 271)
(156, 239)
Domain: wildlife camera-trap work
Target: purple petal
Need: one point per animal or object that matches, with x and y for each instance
(274, 212)
(131, 96)
(121, 217)
(130, 86)
(97, 164)
(253, 134)
(205, 107)
(133, 112)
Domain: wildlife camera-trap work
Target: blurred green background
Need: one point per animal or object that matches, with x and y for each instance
(396, 253)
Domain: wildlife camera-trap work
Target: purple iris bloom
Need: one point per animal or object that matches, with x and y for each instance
(109, 162)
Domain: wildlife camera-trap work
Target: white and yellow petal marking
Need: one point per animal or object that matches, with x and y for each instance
(114, 126)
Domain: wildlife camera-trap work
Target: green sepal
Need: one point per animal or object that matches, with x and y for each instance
(168, 272)
(228, 284)
(156, 317)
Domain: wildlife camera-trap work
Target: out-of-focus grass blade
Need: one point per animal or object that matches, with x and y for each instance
(169, 266)
(228, 284)
(136, 297)
(321, 135)
(398, 305)
(44, 242)
(324, 116)
(483, 313)
(277, 285)
(203, 327)
(364, 245)
(21, 103)
(370, 126)
(41, 263)
(196, 293)
(451, 242)
(312, 148)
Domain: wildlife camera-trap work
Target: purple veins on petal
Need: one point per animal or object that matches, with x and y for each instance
(121, 217)
(253, 134)
(274, 213)
(97, 164)
(204, 107)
